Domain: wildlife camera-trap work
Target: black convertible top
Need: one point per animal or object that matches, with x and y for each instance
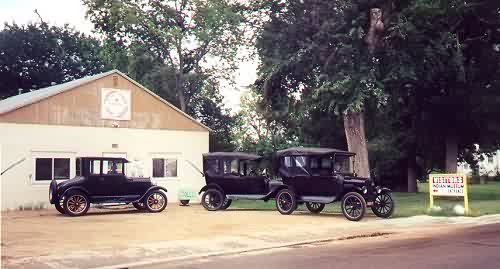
(302, 151)
(231, 155)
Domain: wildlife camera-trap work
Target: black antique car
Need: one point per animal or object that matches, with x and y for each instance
(318, 176)
(232, 176)
(102, 181)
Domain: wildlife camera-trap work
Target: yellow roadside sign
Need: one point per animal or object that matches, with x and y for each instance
(448, 185)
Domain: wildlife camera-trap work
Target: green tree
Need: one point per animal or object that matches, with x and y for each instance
(201, 91)
(195, 36)
(37, 55)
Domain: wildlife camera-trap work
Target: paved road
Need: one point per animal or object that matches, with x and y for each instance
(476, 248)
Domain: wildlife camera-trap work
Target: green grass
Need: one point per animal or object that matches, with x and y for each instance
(483, 200)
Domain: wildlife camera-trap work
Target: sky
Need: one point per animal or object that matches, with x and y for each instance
(72, 12)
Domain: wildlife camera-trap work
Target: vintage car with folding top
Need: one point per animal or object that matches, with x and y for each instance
(102, 181)
(318, 176)
(235, 175)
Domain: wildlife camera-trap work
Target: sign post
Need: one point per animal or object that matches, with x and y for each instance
(448, 185)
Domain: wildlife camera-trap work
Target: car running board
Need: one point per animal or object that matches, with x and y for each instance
(246, 196)
(317, 199)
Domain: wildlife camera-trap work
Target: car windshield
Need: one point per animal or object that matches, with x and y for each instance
(343, 164)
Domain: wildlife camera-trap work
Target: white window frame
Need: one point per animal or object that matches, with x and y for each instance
(52, 155)
(166, 156)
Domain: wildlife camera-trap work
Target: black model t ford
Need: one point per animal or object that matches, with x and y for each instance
(232, 176)
(103, 180)
(318, 176)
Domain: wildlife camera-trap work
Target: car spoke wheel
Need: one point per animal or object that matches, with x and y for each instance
(212, 200)
(76, 204)
(156, 201)
(384, 205)
(353, 206)
(315, 207)
(286, 202)
(226, 204)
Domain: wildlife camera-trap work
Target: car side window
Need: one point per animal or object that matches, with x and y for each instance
(112, 167)
(314, 163)
(300, 161)
(95, 167)
(231, 167)
(287, 161)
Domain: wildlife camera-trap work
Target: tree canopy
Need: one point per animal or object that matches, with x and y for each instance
(37, 55)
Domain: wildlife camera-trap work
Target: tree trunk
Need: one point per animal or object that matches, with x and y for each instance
(354, 125)
(179, 87)
(451, 153)
(411, 161)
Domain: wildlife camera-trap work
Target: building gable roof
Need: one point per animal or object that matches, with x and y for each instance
(18, 101)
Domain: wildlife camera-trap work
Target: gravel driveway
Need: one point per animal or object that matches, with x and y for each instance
(46, 239)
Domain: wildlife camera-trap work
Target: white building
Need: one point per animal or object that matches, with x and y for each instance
(488, 166)
(44, 131)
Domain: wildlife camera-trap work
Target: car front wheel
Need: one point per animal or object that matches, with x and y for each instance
(212, 200)
(286, 202)
(60, 206)
(384, 205)
(76, 204)
(315, 208)
(353, 206)
(156, 201)
(227, 203)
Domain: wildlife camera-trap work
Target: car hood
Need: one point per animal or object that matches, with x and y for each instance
(69, 182)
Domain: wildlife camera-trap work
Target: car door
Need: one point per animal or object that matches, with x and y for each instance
(114, 179)
(324, 183)
(95, 183)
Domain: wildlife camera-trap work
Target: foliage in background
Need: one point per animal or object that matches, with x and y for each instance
(37, 55)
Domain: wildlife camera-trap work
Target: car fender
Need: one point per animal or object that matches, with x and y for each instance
(152, 188)
(75, 188)
(384, 190)
(211, 186)
(273, 192)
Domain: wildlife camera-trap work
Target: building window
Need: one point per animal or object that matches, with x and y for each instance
(158, 167)
(164, 167)
(52, 168)
(43, 169)
(61, 168)
(490, 159)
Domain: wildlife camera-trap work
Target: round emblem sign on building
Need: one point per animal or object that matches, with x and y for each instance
(115, 104)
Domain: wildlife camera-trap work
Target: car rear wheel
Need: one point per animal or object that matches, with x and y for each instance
(139, 206)
(353, 206)
(286, 202)
(76, 204)
(384, 205)
(60, 206)
(156, 201)
(315, 207)
(212, 200)
(226, 204)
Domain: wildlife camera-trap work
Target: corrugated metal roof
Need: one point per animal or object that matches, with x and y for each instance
(22, 100)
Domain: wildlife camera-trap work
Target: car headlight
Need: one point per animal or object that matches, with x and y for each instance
(365, 190)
